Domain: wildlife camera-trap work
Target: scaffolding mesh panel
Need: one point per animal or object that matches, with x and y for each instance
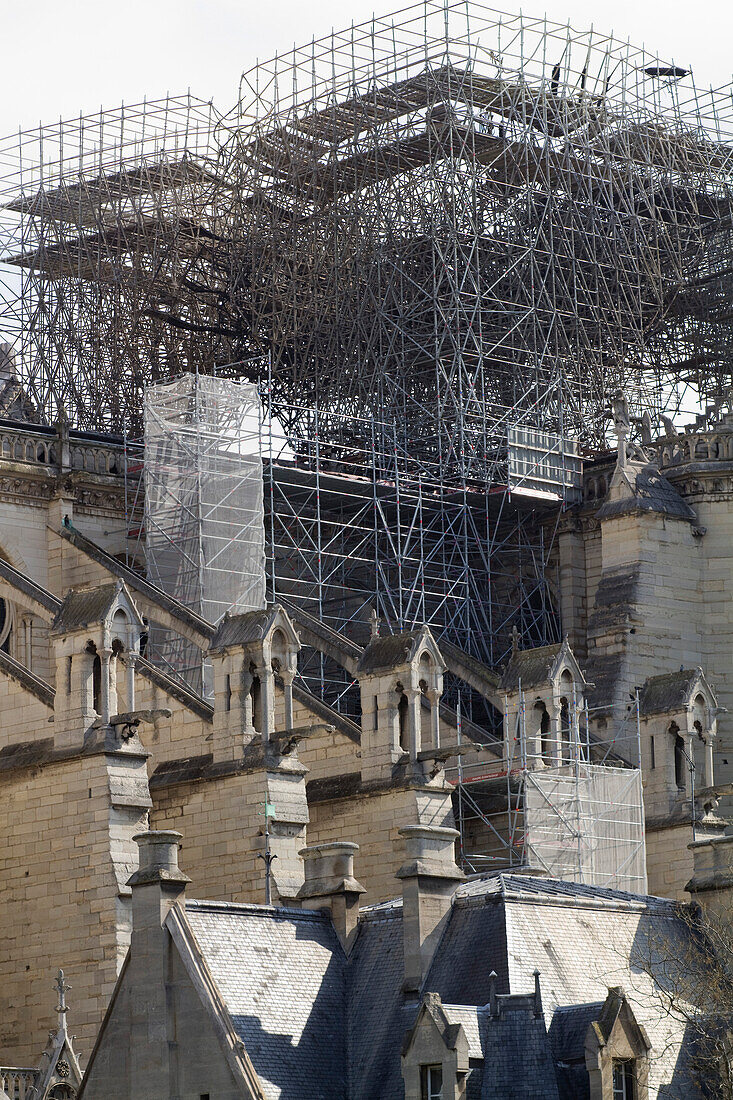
(204, 511)
(587, 825)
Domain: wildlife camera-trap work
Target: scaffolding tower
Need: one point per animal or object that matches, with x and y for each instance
(204, 515)
(579, 818)
(424, 239)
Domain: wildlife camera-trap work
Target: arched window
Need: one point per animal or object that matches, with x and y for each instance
(402, 716)
(255, 694)
(680, 762)
(120, 625)
(565, 729)
(542, 716)
(425, 712)
(97, 684)
(279, 651)
(6, 623)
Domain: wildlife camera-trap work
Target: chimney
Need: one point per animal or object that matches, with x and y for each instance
(429, 879)
(330, 884)
(156, 886)
(712, 878)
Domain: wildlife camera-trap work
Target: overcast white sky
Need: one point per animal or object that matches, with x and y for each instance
(61, 57)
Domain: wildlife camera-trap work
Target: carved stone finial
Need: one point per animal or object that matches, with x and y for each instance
(515, 639)
(62, 987)
(374, 621)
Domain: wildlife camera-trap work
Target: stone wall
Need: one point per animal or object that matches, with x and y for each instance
(66, 852)
(374, 821)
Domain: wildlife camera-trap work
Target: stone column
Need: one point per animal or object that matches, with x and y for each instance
(709, 766)
(156, 886)
(434, 700)
(267, 698)
(414, 720)
(690, 759)
(555, 734)
(288, 677)
(712, 881)
(105, 656)
(429, 878)
(130, 662)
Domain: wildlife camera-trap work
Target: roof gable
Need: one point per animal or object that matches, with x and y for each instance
(253, 627)
(394, 651)
(280, 975)
(534, 667)
(639, 487)
(674, 692)
(89, 606)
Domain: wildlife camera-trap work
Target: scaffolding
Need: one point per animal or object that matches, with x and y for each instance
(437, 243)
(458, 217)
(424, 239)
(204, 513)
(579, 818)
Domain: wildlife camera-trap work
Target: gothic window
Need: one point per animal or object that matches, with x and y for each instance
(62, 1092)
(6, 622)
(255, 693)
(679, 760)
(402, 714)
(97, 683)
(545, 740)
(624, 1079)
(431, 1082)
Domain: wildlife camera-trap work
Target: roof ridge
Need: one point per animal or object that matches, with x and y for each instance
(253, 909)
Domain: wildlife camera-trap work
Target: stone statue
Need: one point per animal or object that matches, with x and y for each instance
(621, 424)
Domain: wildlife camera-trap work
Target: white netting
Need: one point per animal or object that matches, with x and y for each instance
(204, 518)
(585, 823)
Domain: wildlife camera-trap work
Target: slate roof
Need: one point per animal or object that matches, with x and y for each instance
(379, 1016)
(280, 973)
(316, 1024)
(518, 1063)
(388, 651)
(569, 1028)
(670, 692)
(531, 666)
(83, 606)
(652, 493)
(250, 626)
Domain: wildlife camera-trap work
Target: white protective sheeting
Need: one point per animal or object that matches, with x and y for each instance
(204, 515)
(585, 823)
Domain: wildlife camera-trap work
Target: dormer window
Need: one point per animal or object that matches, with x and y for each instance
(431, 1082)
(624, 1079)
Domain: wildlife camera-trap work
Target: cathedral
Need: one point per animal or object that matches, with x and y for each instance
(344, 842)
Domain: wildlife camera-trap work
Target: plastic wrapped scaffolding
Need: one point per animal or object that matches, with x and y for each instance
(204, 518)
(585, 823)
